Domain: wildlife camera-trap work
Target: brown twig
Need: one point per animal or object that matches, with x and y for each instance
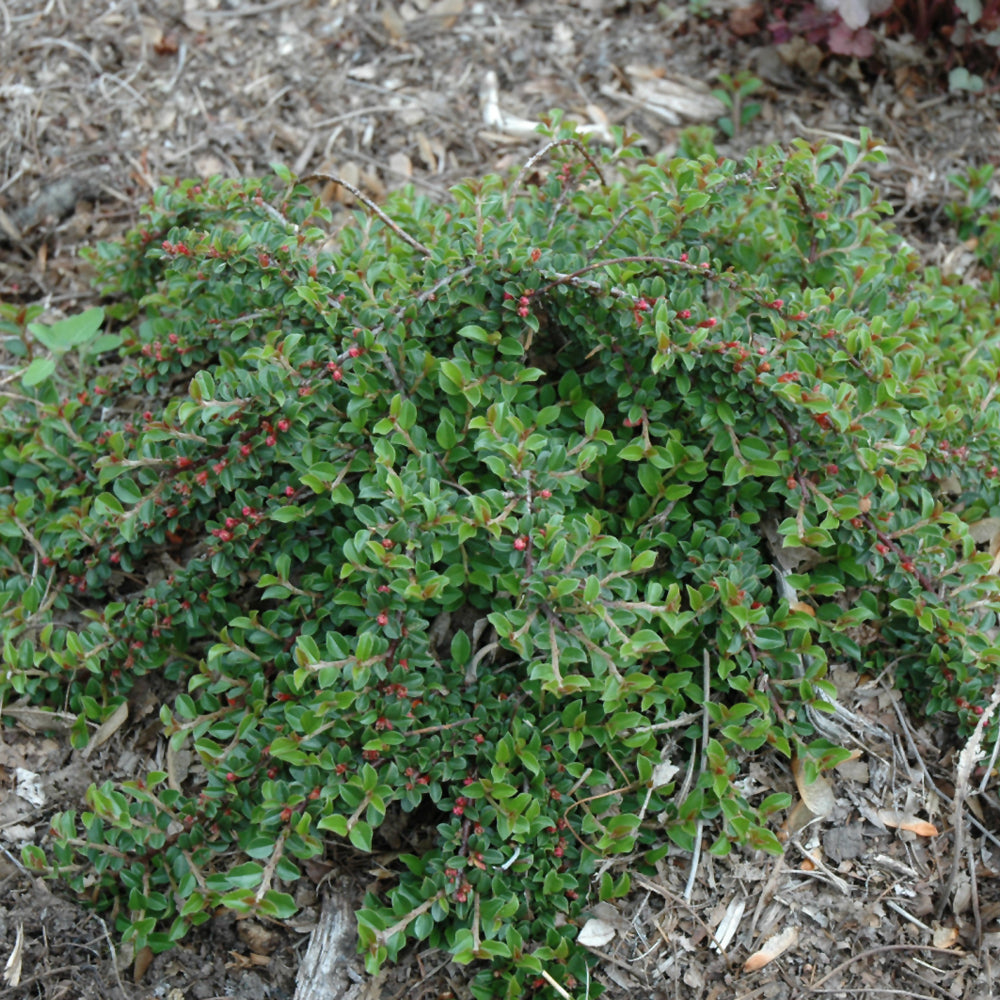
(575, 143)
(967, 759)
(881, 949)
(372, 207)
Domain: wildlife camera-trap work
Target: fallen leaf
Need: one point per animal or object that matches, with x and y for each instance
(987, 532)
(945, 937)
(773, 948)
(818, 794)
(663, 774)
(744, 21)
(902, 821)
(595, 933)
(106, 730)
(143, 960)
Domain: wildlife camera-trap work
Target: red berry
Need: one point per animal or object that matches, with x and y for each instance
(283, 424)
(520, 544)
(230, 776)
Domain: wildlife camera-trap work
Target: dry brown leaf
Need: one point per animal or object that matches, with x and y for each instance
(773, 948)
(817, 795)
(987, 532)
(801, 54)
(902, 821)
(400, 165)
(945, 937)
(743, 21)
(596, 933)
(427, 152)
(448, 10)
(143, 960)
(393, 24)
(106, 730)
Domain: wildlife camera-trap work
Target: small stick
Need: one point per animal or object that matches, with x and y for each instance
(575, 143)
(371, 206)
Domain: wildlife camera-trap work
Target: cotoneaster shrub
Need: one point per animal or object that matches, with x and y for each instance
(455, 518)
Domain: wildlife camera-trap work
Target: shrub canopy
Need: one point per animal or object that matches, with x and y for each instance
(537, 516)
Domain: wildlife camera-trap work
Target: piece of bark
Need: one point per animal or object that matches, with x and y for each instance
(328, 970)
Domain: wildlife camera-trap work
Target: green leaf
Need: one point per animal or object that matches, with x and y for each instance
(108, 503)
(478, 333)
(126, 490)
(285, 515)
(38, 371)
(754, 449)
(360, 836)
(70, 332)
(643, 561)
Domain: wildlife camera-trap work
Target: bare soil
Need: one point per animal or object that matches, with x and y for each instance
(100, 99)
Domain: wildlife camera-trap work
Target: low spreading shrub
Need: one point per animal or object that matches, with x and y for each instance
(535, 517)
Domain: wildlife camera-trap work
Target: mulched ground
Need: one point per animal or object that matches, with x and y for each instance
(101, 98)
